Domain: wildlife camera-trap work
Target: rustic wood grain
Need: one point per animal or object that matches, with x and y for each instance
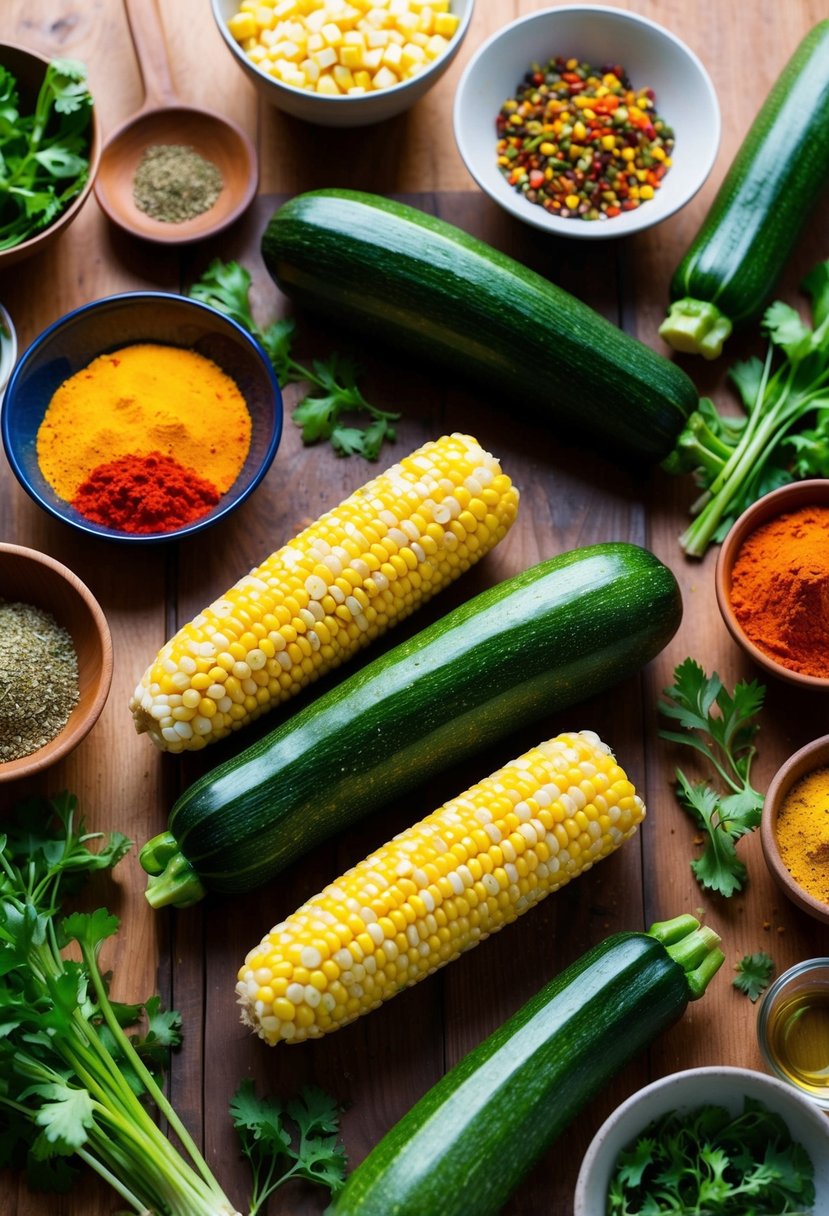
(381, 1065)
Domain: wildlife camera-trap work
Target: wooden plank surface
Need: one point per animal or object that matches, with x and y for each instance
(381, 1065)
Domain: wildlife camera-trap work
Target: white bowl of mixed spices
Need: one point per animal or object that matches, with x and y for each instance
(55, 661)
(587, 122)
(142, 417)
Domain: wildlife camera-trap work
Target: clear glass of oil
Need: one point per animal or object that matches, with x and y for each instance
(793, 1028)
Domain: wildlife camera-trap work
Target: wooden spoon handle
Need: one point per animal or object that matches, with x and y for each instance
(147, 30)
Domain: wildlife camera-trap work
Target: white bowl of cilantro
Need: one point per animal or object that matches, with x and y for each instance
(49, 106)
(769, 1144)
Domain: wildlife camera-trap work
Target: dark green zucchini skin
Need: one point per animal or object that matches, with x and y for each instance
(395, 273)
(769, 192)
(550, 637)
(463, 1148)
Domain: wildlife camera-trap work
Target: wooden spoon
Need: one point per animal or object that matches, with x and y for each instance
(163, 119)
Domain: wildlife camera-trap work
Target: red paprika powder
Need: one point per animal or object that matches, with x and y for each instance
(780, 590)
(152, 493)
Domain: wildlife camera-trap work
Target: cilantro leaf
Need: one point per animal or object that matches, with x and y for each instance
(66, 1115)
(754, 972)
(720, 727)
(333, 397)
(275, 1154)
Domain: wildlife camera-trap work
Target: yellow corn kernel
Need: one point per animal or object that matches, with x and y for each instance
(351, 56)
(384, 78)
(362, 80)
(392, 56)
(328, 85)
(446, 24)
(242, 26)
(362, 567)
(440, 887)
(646, 191)
(343, 77)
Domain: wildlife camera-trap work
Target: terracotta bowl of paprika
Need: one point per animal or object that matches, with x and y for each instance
(772, 583)
(55, 661)
(794, 828)
(142, 417)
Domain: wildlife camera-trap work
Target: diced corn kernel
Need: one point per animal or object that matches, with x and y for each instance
(350, 57)
(440, 887)
(384, 78)
(328, 85)
(446, 24)
(242, 26)
(340, 583)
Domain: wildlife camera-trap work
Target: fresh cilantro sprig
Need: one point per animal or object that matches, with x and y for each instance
(784, 434)
(333, 409)
(75, 1086)
(754, 971)
(721, 728)
(44, 156)
(297, 1139)
(707, 1162)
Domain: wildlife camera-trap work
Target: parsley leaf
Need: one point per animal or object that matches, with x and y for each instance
(277, 1152)
(721, 728)
(754, 971)
(334, 406)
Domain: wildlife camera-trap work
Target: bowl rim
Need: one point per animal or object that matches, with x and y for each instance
(761, 511)
(797, 765)
(35, 762)
(60, 221)
(544, 221)
(120, 300)
(344, 100)
(787, 1094)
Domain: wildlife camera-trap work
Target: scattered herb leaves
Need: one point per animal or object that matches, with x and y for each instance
(335, 406)
(44, 155)
(754, 971)
(707, 1162)
(721, 728)
(75, 1087)
(736, 461)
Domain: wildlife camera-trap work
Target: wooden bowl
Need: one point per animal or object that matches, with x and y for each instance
(813, 756)
(29, 577)
(29, 68)
(793, 497)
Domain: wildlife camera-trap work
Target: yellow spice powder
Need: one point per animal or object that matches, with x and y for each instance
(145, 398)
(803, 833)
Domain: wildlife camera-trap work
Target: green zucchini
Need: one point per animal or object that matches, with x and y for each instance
(464, 1147)
(424, 285)
(778, 175)
(547, 638)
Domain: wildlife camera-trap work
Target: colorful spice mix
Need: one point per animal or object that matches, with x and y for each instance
(582, 142)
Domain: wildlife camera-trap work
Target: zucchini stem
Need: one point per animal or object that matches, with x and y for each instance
(693, 947)
(695, 327)
(172, 881)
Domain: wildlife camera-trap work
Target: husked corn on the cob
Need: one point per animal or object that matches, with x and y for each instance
(345, 579)
(439, 888)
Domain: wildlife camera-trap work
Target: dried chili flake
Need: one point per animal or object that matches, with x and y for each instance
(581, 141)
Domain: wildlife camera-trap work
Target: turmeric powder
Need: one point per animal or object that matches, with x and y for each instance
(140, 399)
(802, 833)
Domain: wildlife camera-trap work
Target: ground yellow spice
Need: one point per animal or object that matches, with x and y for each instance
(145, 398)
(803, 833)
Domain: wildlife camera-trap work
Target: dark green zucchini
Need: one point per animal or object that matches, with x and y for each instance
(547, 638)
(769, 192)
(464, 1147)
(415, 281)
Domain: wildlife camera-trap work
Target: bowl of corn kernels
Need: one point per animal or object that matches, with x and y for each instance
(338, 65)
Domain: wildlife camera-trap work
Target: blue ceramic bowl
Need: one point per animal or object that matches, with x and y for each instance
(76, 339)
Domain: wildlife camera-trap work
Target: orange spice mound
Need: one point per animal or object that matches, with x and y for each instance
(780, 590)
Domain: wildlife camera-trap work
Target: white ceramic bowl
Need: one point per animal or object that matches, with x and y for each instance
(700, 1087)
(345, 111)
(652, 58)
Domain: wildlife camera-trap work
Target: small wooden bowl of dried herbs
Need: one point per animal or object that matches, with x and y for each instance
(55, 661)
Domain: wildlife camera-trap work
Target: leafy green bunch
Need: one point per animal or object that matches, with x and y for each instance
(44, 156)
(721, 728)
(708, 1162)
(80, 1073)
(783, 435)
(332, 409)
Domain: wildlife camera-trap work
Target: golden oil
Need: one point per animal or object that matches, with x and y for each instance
(797, 1035)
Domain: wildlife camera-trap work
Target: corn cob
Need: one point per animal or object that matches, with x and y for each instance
(359, 569)
(440, 887)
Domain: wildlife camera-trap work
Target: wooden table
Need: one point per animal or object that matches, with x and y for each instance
(378, 1067)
